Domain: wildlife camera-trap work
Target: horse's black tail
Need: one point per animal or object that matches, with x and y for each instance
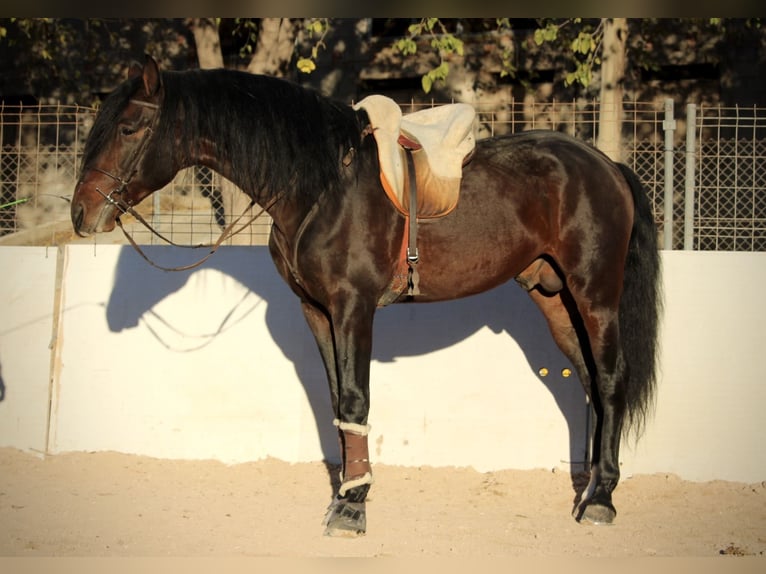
(640, 308)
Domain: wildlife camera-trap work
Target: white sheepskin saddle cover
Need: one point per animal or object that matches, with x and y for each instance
(441, 139)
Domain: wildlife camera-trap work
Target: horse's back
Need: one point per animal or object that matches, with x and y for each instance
(538, 151)
(549, 173)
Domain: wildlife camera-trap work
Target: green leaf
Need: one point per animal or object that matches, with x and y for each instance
(551, 32)
(426, 82)
(457, 45)
(406, 46)
(583, 44)
(306, 65)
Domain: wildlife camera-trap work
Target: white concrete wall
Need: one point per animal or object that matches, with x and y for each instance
(709, 421)
(218, 363)
(27, 283)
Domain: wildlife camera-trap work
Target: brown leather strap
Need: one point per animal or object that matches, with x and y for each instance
(356, 455)
(412, 241)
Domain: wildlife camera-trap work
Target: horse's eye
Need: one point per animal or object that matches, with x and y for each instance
(127, 131)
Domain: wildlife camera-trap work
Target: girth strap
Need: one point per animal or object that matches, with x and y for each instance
(412, 240)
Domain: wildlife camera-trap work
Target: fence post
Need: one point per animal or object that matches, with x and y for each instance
(691, 125)
(669, 125)
(55, 346)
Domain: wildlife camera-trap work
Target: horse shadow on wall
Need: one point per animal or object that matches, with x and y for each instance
(429, 328)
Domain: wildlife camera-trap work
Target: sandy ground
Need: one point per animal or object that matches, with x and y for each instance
(114, 505)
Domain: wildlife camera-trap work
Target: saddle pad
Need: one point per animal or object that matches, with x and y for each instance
(445, 136)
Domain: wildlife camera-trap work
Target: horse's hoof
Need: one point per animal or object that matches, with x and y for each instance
(346, 519)
(596, 514)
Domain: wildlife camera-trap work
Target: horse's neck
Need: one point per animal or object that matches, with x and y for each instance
(287, 209)
(282, 211)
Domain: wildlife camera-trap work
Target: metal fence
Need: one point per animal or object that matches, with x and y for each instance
(704, 169)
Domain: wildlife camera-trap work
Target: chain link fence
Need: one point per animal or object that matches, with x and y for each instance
(730, 179)
(707, 190)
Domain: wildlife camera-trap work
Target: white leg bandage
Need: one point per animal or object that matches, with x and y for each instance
(361, 430)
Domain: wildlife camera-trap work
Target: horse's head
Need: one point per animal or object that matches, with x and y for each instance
(123, 161)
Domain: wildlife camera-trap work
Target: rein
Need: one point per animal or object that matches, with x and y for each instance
(225, 234)
(126, 208)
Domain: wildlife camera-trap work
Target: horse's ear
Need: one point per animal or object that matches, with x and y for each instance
(151, 76)
(135, 70)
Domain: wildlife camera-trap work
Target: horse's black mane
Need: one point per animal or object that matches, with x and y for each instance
(277, 135)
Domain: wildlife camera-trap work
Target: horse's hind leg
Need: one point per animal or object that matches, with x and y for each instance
(589, 337)
(603, 358)
(562, 328)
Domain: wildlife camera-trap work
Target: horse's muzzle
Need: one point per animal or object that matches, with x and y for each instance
(85, 225)
(77, 212)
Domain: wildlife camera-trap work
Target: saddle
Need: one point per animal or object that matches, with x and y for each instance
(440, 141)
(421, 157)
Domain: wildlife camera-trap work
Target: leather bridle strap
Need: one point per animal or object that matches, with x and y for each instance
(135, 156)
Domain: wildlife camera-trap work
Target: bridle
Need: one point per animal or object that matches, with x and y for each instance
(132, 164)
(124, 207)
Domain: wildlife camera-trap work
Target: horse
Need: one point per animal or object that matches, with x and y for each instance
(572, 227)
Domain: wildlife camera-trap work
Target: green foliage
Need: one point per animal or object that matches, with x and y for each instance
(579, 39)
(507, 53)
(74, 60)
(442, 42)
(316, 28)
(583, 44)
(406, 46)
(583, 48)
(437, 74)
(547, 34)
(247, 28)
(306, 65)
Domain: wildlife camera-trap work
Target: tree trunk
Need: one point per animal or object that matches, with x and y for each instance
(612, 78)
(208, 42)
(274, 48)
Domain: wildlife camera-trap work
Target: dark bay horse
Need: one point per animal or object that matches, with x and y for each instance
(573, 228)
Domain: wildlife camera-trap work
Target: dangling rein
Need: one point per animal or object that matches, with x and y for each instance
(227, 233)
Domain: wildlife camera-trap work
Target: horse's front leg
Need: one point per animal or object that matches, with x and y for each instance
(345, 343)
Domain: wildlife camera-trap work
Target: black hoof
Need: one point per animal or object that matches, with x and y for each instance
(346, 519)
(595, 513)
